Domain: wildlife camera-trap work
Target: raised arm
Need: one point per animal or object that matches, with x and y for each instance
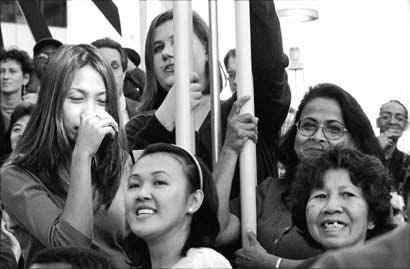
(240, 128)
(159, 126)
(272, 93)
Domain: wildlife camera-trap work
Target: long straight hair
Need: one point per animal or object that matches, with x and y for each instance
(44, 149)
(154, 94)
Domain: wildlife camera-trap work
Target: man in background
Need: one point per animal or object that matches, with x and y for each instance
(230, 66)
(392, 122)
(116, 57)
(43, 50)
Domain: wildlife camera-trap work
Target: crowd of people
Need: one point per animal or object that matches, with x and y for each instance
(75, 192)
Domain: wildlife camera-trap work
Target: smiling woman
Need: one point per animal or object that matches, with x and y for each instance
(341, 198)
(171, 203)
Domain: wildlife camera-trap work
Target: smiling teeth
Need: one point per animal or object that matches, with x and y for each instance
(146, 211)
(334, 225)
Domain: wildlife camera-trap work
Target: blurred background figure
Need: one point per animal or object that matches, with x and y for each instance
(135, 77)
(43, 50)
(392, 122)
(15, 69)
(116, 57)
(230, 66)
(18, 122)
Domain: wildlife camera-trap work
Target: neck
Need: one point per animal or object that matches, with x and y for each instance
(165, 250)
(388, 152)
(10, 99)
(201, 111)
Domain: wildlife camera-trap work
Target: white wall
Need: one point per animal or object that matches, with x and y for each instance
(363, 46)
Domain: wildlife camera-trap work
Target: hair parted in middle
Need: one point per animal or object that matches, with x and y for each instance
(44, 148)
(205, 224)
(154, 94)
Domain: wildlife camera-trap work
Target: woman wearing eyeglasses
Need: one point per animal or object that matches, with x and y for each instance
(327, 117)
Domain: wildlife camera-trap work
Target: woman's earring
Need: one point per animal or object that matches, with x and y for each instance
(370, 226)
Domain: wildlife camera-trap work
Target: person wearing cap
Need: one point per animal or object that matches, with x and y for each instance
(135, 77)
(42, 51)
(115, 55)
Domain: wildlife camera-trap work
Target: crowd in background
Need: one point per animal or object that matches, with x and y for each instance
(91, 176)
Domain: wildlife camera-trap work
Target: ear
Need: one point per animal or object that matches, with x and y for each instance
(26, 79)
(406, 126)
(378, 122)
(195, 201)
(370, 225)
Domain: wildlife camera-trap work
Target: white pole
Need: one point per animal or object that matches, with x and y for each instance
(185, 133)
(214, 78)
(247, 160)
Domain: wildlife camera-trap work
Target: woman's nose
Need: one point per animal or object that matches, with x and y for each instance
(144, 192)
(168, 51)
(333, 205)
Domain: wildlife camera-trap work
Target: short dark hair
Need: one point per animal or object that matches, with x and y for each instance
(365, 171)
(356, 122)
(205, 224)
(399, 103)
(78, 258)
(21, 110)
(107, 42)
(21, 57)
(229, 54)
(133, 56)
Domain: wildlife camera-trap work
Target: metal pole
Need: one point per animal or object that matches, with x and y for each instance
(185, 133)
(247, 159)
(215, 80)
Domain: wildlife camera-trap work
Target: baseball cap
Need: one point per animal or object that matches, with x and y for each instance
(45, 42)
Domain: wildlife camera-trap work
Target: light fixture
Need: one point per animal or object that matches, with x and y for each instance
(297, 15)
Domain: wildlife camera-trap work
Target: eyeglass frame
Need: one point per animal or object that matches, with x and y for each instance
(344, 130)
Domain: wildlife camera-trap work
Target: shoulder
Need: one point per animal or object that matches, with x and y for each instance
(387, 251)
(203, 258)
(273, 185)
(139, 120)
(11, 174)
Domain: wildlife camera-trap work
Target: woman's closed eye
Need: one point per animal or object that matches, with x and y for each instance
(75, 98)
(102, 102)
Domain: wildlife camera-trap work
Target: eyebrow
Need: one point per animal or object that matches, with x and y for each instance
(137, 176)
(83, 91)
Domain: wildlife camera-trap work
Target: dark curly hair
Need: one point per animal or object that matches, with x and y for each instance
(365, 171)
(205, 224)
(20, 56)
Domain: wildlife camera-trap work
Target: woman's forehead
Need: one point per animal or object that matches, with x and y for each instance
(324, 109)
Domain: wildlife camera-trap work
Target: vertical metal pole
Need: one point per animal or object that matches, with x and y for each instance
(247, 159)
(214, 79)
(185, 133)
(143, 29)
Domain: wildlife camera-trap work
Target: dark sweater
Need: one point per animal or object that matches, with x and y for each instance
(271, 93)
